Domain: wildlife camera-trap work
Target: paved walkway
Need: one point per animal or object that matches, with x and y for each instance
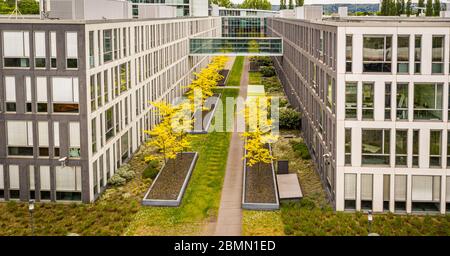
(229, 222)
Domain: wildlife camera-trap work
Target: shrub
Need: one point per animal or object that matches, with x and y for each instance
(151, 170)
(267, 71)
(284, 102)
(289, 118)
(263, 60)
(126, 174)
(272, 84)
(117, 181)
(301, 150)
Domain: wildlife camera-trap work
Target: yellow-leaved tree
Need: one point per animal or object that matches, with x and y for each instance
(259, 132)
(169, 135)
(205, 81)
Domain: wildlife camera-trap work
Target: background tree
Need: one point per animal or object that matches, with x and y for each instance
(398, 8)
(383, 8)
(421, 3)
(392, 8)
(291, 4)
(299, 3)
(223, 3)
(29, 7)
(408, 8)
(429, 8)
(256, 4)
(282, 4)
(437, 8)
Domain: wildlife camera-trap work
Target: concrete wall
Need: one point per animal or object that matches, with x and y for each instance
(90, 10)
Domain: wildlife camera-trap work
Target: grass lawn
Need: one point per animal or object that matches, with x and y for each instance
(234, 78)
(255, 78)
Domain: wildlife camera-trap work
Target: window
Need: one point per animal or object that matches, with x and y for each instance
(368, 100)
(400, 192)
(349, 54)
(402, 101)
(447, 194)
(348, 146)
(403, 54)
(20, 138)
(437, 66)
(387, 101)
(386, 191)
(56, 138)
(28, 96)
(448, 149)
(65, 95)
(43, 140)
(107, 46)
(435, 148)
(94, 135)
(39, 50)
(2, 183)
(416, 145)
(124, 146)
(92, 88)
(426, 193)
(16, 49)
(401, 148)
(14, 182)
(330, 101)
(109, 124)
(123, 78)
(74, 139)
(375, 147)
(41, 95)
(377, 54)
(72, 50)
(417, 54)
(428, 101)
(351, 98)
(106, 86)
(366, 191)
(99, 90)
(68, 183)
(10, 90)
(349, 191)
(91, 49)
(44, 173)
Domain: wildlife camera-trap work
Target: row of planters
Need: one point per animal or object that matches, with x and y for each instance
(260, 190)
(170, 138)
(202, 97)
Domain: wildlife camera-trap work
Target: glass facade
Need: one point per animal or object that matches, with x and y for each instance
(243, 27)
(236, 46)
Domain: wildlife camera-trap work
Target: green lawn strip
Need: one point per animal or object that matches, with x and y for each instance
(255, 78)
(262, 223)
(234, 78)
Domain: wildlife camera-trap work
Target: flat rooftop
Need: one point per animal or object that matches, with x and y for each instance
(4, 19)
(377, 21)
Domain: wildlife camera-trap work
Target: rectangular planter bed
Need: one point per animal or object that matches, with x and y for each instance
(207, 115)
(224, 73)
(170, 184)
(260, 190)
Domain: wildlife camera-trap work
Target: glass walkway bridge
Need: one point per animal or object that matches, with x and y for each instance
(236, 46)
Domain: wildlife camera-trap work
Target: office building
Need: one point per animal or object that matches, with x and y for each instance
(374, 93)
